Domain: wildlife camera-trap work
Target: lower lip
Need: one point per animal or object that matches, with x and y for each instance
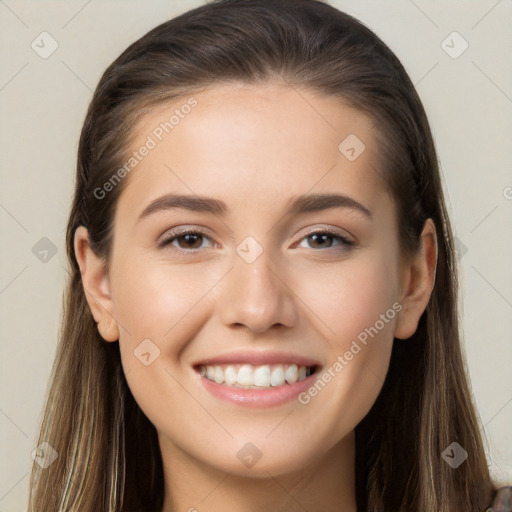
(262, 398)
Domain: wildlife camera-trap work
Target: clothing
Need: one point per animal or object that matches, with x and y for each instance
(502, 500)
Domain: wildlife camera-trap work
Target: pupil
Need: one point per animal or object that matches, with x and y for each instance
(323, 236)
(190, 238)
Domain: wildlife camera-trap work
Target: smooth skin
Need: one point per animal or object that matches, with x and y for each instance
(255, 147)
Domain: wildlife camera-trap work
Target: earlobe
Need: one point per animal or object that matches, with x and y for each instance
(418, 283)
(96, 285)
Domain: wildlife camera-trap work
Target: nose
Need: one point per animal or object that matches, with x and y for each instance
(256, 295)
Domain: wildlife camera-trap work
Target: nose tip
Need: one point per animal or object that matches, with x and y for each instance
(256, 297)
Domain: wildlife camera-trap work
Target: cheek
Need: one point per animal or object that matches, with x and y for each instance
(157, 299)
(158, 307)
(161, 308)
(350, 297)
(357, 304)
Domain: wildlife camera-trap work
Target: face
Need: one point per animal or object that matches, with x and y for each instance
(265, 313)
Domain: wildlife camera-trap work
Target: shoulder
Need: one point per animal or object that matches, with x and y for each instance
(502, 500)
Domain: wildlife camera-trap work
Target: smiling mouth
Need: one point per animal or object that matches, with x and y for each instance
(246, 376)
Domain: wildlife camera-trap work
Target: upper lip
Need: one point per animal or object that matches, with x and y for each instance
(257, 359)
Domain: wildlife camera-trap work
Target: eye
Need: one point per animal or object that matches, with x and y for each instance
(191, 240)
(187, 240)
(324, 239)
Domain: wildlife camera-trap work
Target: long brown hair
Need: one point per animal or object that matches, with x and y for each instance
(108, 453)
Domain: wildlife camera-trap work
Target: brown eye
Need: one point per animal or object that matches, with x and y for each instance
(321, 239)
(191, 240)
(326, 240)
(187, 241)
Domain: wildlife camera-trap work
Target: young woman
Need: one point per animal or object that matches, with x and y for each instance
(262, 304)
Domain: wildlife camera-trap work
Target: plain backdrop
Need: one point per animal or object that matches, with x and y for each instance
(467, 93)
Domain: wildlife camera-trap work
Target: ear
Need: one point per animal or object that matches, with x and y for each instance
(418, 279)
(96, 285)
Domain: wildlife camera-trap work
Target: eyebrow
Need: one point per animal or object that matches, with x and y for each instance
(296, 205)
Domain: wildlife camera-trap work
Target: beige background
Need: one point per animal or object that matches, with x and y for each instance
(43, 101)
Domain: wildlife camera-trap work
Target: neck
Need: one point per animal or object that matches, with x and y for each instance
(327, 484)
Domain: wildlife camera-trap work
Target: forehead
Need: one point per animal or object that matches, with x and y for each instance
(267, 142)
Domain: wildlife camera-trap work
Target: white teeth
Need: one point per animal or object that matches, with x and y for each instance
(277, 376)
(292, 374)
(246, 375)
(263, 376)
(219, 375)
(231, 375)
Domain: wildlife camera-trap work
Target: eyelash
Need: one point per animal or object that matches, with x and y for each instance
(176, 235)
